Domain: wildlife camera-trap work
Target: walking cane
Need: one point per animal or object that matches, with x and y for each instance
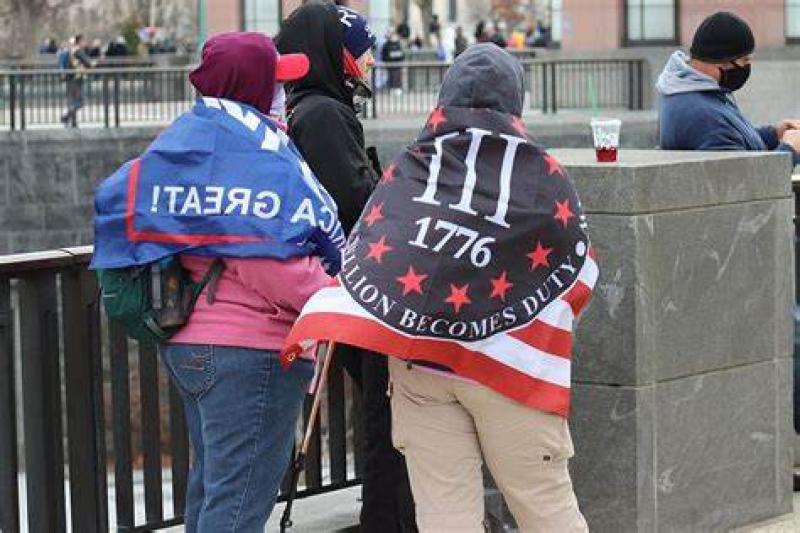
(298, 464)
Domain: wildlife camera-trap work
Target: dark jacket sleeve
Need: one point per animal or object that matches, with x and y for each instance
(725, 137)
(769, 135)
(332, 142)
(719, 135)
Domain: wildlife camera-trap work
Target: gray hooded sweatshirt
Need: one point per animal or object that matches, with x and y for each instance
(485, 77)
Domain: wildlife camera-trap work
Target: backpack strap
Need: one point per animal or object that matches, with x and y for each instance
(210, 279)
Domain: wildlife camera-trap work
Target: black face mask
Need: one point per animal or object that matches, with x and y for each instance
(734, 78)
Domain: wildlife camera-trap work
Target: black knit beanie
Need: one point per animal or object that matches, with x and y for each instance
(722, 37)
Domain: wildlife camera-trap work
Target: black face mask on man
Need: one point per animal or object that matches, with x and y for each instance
(734, 78)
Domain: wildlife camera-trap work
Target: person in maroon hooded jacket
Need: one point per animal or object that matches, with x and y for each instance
(241, 407)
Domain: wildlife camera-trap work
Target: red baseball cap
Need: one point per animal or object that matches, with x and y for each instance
(291, 67)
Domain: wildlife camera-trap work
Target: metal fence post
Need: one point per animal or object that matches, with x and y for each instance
(41, 393)
(151, 432)
(116, 100)
(554, 90)
(106, 111)
(22, 102)
(120, 405)
(640, 69)
(544, 88)
(631, 87)
(12, 100)
(9, 465)
(85, 494)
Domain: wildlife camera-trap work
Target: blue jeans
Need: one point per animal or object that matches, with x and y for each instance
(241, 410)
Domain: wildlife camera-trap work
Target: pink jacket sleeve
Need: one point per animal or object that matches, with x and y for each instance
(284, 283)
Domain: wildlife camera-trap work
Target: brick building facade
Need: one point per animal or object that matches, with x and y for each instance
(609, 24)
(577, 24)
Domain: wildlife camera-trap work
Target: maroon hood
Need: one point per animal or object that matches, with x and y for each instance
(238, 66)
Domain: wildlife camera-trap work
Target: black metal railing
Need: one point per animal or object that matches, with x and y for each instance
(73, 383)
(550, 85)
(112, 97)
(115, 97)
(50, 62)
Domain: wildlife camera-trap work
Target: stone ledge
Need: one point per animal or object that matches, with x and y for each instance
(651, 181)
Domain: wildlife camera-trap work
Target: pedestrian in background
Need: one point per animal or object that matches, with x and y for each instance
(48, 47)
(460, 42)
(95, 51)
(404, 31)
(480, 31)
(392, 52)
(323, 122)
(117, 48)
(497, 34)
(435, 30)
(77, 64)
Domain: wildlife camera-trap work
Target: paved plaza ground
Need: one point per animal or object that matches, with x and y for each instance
(333, 512)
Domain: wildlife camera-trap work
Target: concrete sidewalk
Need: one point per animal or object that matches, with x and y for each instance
(336, 511)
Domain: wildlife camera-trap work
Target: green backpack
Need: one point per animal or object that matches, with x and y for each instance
(152, 302)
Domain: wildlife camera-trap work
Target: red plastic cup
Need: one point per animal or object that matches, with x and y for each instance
(606, 139)
(606, 155)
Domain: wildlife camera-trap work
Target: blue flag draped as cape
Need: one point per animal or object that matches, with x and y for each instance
(223, 180)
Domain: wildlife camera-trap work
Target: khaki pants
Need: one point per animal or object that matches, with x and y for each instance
(446, 428)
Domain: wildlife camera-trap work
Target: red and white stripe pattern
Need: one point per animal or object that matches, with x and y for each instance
(530, 364)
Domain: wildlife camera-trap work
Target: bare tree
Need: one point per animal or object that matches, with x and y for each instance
(19, 17)
(24, 23)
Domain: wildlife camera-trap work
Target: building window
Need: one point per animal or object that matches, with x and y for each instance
(793, 21)
(262, 15)
(452, 11)
(651, 22)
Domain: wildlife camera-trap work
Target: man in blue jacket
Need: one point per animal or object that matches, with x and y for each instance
(697, 109)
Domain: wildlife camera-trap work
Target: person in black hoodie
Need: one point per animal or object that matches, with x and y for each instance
(323, 124)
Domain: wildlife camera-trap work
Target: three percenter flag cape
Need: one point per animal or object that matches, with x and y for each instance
(472, 254)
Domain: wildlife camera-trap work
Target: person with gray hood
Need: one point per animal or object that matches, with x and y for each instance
(472, 372)
(697, 110)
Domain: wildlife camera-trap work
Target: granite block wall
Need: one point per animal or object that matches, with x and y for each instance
(47, 181)
(682, 374)
(682, 413)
